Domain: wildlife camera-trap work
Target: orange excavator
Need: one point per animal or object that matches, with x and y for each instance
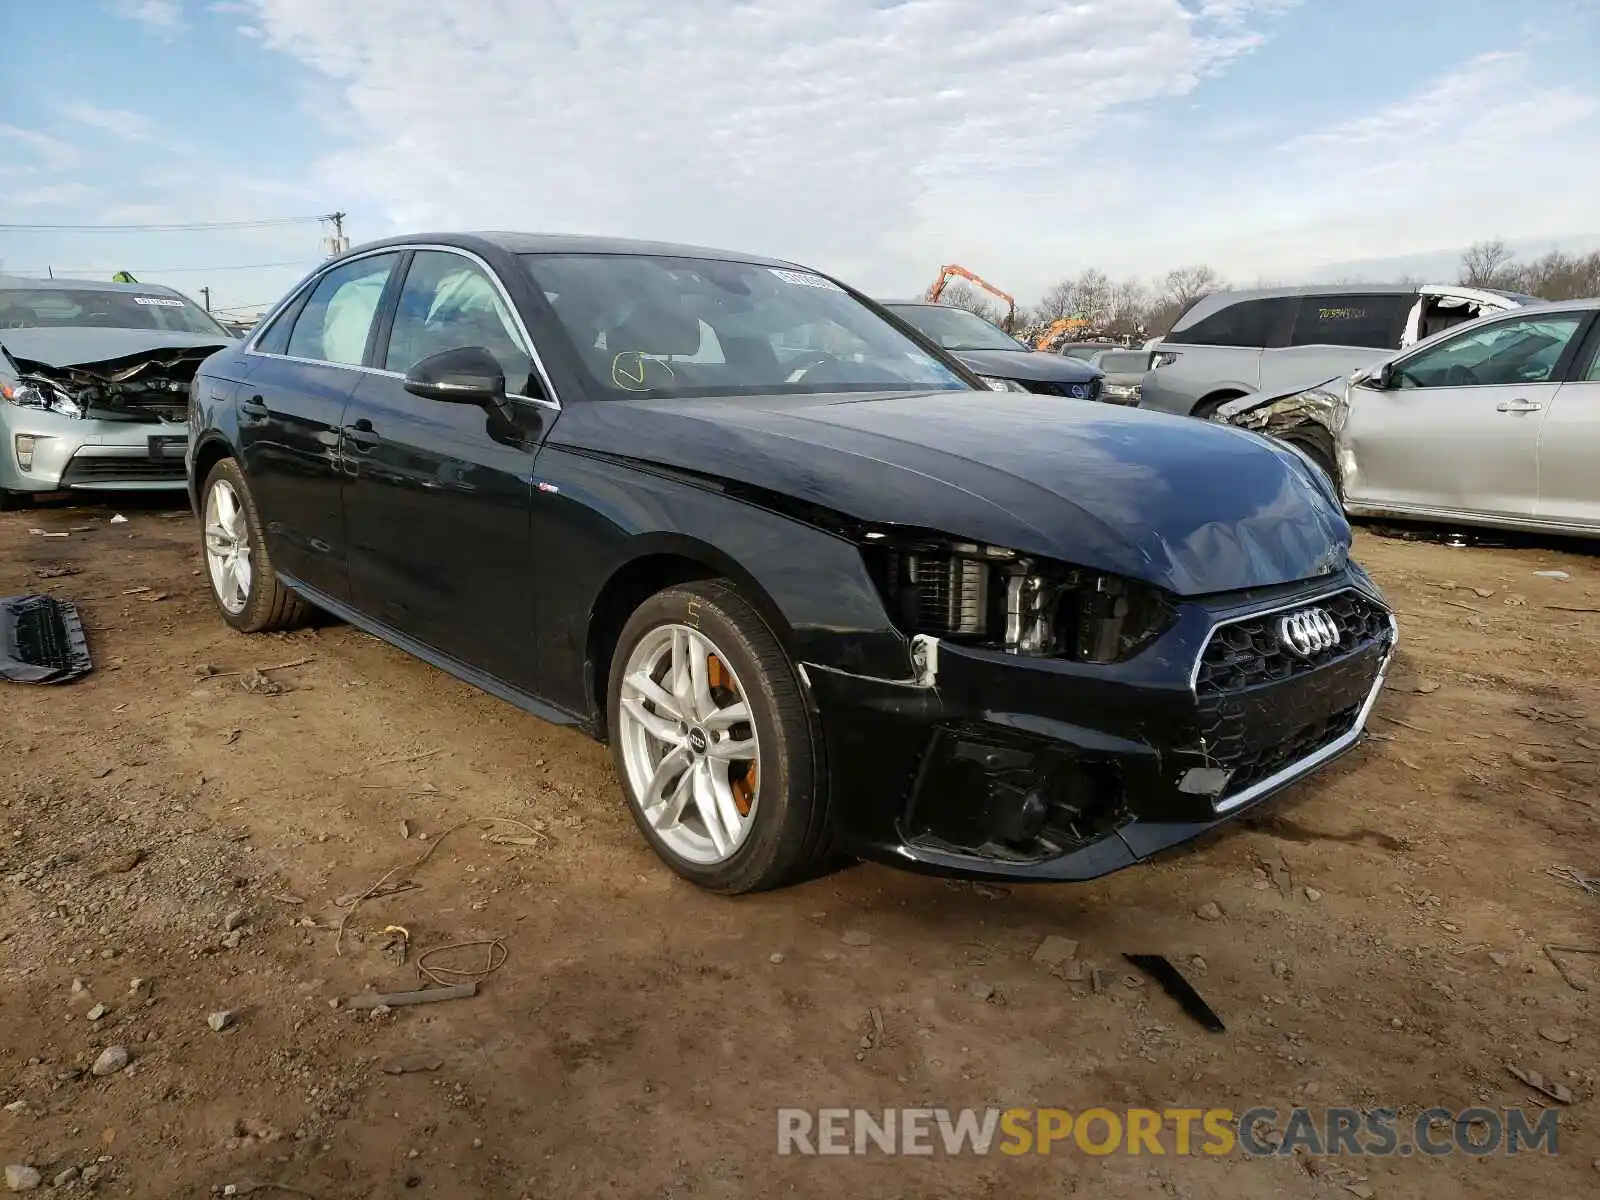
(1058, 329)
(951, 270)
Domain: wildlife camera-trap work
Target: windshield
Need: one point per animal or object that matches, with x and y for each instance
(654, 325)
(91, 308)
(955, 328)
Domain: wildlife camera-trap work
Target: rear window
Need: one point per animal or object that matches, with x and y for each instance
(1376, 321)
(1125, 362)
(1257, 324)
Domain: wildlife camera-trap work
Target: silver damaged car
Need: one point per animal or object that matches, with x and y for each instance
(94, 385)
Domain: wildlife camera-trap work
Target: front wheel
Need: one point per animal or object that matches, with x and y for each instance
(243, 584)
(12, 501)
(713, 742)
(1317, 445)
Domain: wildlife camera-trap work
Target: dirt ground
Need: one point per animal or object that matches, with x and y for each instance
(1379, 940)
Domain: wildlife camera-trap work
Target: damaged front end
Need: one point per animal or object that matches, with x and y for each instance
(1324, 404)
(151, 387)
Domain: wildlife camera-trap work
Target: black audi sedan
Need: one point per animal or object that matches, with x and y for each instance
(1000, 360)
(819, 589)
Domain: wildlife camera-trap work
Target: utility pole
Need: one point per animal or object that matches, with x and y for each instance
(336, 243)
(206, 292)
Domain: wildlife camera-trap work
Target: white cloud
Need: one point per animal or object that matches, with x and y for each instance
(117, 121)
(833, 131)
(51, 152)
(1490, 148)
(163, 14)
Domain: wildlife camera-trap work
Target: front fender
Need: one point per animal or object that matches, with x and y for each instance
(592, 516)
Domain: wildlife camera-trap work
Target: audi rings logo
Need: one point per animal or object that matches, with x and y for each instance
(1307, 632)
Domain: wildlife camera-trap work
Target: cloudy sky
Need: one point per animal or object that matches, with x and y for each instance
(873, 138)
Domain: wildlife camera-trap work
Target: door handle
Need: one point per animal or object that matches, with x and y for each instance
(361, 435)
(1517, 406)
(255, 407)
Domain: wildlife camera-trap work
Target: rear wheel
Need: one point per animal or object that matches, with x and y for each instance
(243, 584)
(713, 742)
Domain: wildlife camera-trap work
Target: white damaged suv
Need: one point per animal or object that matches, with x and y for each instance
(1276, 340)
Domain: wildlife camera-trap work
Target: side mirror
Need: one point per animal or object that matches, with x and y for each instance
(468, 375)
(1380, 377)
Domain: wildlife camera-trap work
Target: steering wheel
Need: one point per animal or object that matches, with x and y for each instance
(1459, 375)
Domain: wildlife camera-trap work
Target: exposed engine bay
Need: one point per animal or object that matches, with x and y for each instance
(151, 387)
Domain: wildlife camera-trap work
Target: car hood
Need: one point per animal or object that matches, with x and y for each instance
(1185, 505)
(83, 347)
(1027, 364)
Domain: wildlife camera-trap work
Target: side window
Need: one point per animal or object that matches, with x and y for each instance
(1259, 324)
(1376, 321)
(275, 338)
(1521, 350)
(449, 302)
(337, 319)
(1591, 374)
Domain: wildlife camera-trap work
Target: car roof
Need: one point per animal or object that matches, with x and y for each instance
(17, 282)
(567, 243)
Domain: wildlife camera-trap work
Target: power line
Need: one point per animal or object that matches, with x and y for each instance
(175, 226)
(296, 262)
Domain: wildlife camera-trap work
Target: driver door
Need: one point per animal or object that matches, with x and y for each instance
(1457, 430)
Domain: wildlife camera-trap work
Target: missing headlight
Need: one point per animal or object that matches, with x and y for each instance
(998, 599)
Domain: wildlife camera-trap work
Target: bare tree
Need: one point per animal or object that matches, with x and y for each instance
(1556, 276)
(964, 295)
(1130, 309)
(1057, 303)
(1179, 289)
(1484, 264)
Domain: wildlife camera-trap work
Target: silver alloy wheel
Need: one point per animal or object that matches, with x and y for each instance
(689, 744)
(228, 546)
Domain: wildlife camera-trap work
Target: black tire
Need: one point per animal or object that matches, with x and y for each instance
(13, 501)
(1317, 444)
(790, 837)
(270, 606)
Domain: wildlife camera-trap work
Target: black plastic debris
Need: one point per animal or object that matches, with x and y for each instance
(1179, 988)
(42, 640)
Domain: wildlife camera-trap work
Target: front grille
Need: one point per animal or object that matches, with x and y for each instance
(1045, 387)
(1251, 767)
(1248, 653)
(83, 470)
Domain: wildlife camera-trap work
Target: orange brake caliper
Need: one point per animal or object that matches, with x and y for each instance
(744, 787)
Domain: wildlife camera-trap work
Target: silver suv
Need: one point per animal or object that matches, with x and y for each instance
(1275, 340)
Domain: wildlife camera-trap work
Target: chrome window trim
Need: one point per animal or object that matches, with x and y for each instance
(554, 401)
(1317, 757)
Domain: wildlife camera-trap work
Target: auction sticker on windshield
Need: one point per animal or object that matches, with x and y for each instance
(163, 301)
(805, 279)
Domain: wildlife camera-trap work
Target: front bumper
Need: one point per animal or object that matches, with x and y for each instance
(1030, 769)
(85, 454)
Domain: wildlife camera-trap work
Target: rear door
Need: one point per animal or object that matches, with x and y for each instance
(303, 369)
(1218, 357)
(437, 497)
(1569, 444)
(1458, 431)
(1334, 335)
